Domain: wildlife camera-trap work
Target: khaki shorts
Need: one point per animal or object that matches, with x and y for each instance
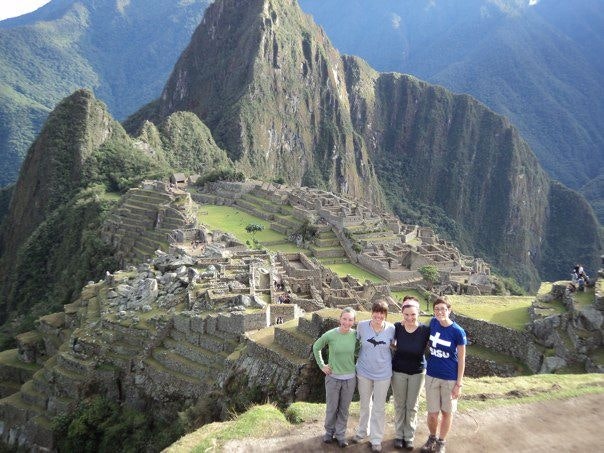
(438, 395)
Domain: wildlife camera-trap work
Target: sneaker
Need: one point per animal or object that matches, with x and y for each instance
(429, 445)
(398, 443)
(376, 448)
(408, 444)
(439, 447)
(342, 443)
(327, 438)
(357, 439)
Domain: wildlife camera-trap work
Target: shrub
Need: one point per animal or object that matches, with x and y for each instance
(101, 425)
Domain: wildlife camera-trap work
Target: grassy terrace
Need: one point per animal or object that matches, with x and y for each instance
(507, 311)
(343, 269)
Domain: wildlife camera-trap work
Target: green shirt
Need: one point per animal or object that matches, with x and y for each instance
(341, 351)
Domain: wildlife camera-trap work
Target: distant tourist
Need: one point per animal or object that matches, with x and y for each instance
(374, 370)
(339, 370)
(444, 375)
(579, 278)
(408, 372)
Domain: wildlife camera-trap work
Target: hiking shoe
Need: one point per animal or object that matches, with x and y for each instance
(429, 445)
(376, 448)
(327, 438)
(408, 444)
(357, 439)
(439, 447)
(342, 443)
(398, 443)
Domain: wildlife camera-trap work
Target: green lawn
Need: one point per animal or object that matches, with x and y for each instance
(584, 298)
(343, 269)
(398, 296)
(233, 220)
(508, 311)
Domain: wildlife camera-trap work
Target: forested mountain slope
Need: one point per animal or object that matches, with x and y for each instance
(538, 63)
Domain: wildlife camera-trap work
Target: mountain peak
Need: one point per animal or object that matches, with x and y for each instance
(272, 88)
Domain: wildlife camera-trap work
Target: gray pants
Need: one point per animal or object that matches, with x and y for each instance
(405, 389)
(338, 395)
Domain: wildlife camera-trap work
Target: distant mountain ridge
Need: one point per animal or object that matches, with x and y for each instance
(124, 51)
(539, 65)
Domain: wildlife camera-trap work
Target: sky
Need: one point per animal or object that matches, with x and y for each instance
(14, 8)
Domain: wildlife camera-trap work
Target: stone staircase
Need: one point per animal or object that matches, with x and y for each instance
(327, 248)
(193, 355)
(143, 223)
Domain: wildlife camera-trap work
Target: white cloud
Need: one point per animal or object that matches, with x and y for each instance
(533, 2)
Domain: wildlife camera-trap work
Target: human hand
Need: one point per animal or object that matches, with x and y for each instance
(327, 370)
(456, 392)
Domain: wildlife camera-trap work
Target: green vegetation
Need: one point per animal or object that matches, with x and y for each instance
(499, 358)
(189, 146)
(125, 61)
(266, 420)
(119, 166)
(221, 174)
(430, 274)
(584, 298)
(232, 220)
(398, 296)
(100, 425)
(510, 311)
(63, 253)
(343, 269)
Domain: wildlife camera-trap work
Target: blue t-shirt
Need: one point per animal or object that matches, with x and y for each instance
(410, 348)
(443, 342)
(375, 358)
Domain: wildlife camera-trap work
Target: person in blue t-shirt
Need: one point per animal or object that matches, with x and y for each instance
(444, 374)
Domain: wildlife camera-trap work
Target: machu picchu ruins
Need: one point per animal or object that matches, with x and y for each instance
(196, 310)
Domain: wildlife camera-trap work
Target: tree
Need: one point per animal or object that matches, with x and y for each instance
(253, 228)
(430, 274)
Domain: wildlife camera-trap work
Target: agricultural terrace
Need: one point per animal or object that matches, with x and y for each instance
(233, 220)
(507, 311)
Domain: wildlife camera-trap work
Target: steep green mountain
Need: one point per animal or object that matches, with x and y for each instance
(538, 63)
(123, 50)
(269, 85)
(283, 102)
(50, 242)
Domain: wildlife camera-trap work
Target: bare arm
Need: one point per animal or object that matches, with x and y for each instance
(461, 368)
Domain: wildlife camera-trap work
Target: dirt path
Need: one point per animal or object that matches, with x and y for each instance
(560, 426)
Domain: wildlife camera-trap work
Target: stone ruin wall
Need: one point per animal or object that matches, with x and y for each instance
(518, 344)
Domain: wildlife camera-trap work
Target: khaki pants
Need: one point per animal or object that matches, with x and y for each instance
(373, 408)
(406, 389)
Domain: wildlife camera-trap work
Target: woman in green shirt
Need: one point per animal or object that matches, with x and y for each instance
(340, 378)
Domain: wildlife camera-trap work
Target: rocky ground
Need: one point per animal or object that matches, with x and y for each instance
(561, 425)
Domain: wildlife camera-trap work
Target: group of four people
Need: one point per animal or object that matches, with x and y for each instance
(393, 355)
